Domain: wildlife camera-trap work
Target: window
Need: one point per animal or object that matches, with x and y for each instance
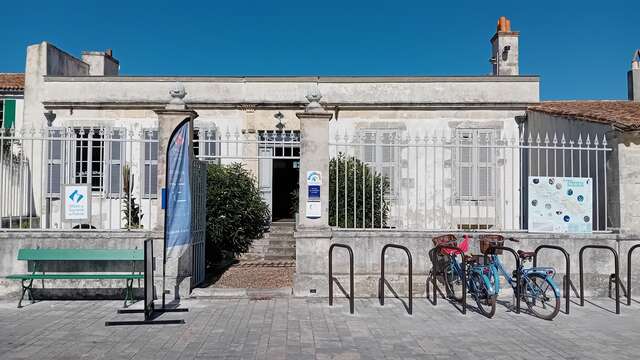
(89, 155)
(382, 154)
(54, 162)
(85, 156)
(204, 139)
(151, 163)
(7, 113)
(475, 164)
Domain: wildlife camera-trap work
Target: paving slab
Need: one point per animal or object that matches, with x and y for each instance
(296, 328)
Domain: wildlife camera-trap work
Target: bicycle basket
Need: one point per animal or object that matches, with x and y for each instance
(486, 241)
(447, 240)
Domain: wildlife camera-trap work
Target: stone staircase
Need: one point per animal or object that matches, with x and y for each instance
(276, 245)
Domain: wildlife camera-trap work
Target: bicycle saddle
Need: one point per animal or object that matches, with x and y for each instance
(526, 254)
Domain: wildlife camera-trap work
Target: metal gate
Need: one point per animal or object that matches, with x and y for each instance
(198, 220)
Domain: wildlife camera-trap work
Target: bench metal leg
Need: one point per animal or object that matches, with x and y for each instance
(128, 294)
(26, 289)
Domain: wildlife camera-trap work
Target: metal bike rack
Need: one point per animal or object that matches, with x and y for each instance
(617, 273)
(629, 272)
(351, 307)
(434, 273)
(382, 281)
(491, 250)
(567, 272)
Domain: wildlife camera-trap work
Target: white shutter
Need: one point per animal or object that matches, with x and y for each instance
(115, 158)
(466, 178)
(54, 172)
(150, 163)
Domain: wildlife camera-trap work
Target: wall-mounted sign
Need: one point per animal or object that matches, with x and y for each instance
(314, 178)
(560, 204)
(77, 202)
(314, 209)
(314, 192)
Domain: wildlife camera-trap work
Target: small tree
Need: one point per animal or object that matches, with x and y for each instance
(236, 212)
(131, 213)
(362, 182)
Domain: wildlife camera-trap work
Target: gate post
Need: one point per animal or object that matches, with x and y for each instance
(314, 156)
(313, 234)
(177, 270)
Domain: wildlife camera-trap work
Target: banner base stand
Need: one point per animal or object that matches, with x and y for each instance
(141, 311)
(143, 322)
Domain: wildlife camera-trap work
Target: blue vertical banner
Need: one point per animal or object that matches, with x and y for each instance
(178, 211)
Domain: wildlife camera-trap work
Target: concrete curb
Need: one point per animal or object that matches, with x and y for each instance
(226, 293)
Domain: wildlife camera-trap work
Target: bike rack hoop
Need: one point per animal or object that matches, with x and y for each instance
(629, 273)
(382, 281)
(492, 250)
(464, 275)
(617, 272)
(331, 280)
(567, 273)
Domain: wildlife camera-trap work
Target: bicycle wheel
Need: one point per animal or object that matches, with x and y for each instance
(540, 297)
(452, 280)
(485, 299)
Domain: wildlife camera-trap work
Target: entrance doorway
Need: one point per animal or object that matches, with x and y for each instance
(285, 184)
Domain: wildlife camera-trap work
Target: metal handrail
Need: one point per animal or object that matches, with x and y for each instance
(567, 272)
(617, 272)
(490, 251)
(351, 306)
(382, 281)
(629, 273)
(464, 275)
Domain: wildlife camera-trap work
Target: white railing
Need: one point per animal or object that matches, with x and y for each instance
(470, 179)
(37, 163)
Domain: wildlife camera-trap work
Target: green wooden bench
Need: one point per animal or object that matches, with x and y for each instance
(39, 256)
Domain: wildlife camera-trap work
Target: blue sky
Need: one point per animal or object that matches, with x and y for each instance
(581, 49)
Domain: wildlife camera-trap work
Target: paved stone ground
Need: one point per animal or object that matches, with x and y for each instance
(308, 328)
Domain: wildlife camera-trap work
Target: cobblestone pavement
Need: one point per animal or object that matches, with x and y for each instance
(308, 328)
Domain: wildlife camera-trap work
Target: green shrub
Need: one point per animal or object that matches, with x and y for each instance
(236, 212)
(376, 189)
(131, 213)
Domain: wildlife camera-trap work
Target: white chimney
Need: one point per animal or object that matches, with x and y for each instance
(633, 78)
(504, 49)
(101, 63)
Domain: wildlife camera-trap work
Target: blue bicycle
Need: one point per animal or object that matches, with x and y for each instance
(537, 288)
(478, 276)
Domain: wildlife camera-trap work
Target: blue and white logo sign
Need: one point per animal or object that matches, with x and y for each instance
(314, 178)
(77, 202)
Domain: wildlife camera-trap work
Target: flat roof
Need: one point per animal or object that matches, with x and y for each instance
(320, 79)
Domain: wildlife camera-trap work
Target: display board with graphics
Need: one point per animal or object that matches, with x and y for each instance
(77, 202)
(560, 204)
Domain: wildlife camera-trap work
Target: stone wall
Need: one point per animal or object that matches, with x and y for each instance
(11, 242)
(312, 259)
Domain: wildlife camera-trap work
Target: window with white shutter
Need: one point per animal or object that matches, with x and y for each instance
(54, 161)
(382, 154)
(151, 163)
(475, 163)
(116, 153)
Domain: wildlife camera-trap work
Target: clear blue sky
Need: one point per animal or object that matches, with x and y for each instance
(581, 49)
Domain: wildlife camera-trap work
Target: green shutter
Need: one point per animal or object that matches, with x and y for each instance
(9, 114)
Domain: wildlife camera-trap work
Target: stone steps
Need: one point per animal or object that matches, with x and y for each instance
(276, 245)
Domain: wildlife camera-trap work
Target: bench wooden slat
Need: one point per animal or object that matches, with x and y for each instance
(81, 254)
(75, 276)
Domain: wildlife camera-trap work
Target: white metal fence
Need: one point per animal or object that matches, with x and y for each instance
(470, 179)
(121, 167)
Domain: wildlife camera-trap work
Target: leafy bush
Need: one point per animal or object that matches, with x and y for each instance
(359, 177)
(236, 212)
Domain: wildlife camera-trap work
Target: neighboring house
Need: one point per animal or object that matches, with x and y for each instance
(11, 99)
(598, 125)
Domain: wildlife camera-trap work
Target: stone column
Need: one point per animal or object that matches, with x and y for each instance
(313, 235)
(623, 184)
(178, 273)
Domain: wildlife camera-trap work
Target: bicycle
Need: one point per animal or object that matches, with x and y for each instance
(477, 276)
(537, 288)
